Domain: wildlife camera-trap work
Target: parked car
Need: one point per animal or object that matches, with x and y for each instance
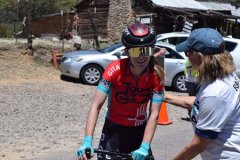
(89, 65)
(231, 44)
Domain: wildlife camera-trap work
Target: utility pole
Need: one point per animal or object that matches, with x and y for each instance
(16, 21)
(62, 32)
(29, 34)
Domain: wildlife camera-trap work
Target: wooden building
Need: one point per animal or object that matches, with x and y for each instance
(105, 19)
(52, 25)
(110, 16)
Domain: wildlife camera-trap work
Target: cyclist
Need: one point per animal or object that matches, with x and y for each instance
(129, 84)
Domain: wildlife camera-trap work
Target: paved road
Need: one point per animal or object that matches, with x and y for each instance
(170, 139)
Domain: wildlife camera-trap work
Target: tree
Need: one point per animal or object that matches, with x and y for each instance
(14, 11)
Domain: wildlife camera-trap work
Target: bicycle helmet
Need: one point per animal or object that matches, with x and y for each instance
(138, 35)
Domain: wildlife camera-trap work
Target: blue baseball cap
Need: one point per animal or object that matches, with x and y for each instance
(208, 41)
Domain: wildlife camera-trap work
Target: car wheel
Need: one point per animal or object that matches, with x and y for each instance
(91, 74)
(179, 83)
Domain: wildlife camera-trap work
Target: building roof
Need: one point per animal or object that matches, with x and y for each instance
(222, 6)
(188, 6)
(191, 4)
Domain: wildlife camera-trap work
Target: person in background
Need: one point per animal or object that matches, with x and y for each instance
(215, 110)
(190, 82)
(129, 84)
(77, 43)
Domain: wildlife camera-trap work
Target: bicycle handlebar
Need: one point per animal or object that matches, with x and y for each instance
(116, 155)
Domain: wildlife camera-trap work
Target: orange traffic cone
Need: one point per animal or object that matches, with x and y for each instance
(163, 115)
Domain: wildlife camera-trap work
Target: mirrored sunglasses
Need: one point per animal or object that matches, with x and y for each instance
(143, 51)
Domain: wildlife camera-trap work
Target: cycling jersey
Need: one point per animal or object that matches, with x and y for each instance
(128, 98)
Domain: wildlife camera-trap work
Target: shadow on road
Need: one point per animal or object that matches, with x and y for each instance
(70, 79)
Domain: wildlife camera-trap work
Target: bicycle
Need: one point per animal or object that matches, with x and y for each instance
(114, 155)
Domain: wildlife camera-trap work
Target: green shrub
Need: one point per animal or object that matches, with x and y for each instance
(3, 31)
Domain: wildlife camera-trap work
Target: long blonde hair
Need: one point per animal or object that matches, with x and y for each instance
(215, 66)
(157, 68)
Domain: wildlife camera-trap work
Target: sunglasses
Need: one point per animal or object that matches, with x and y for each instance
(140, 51)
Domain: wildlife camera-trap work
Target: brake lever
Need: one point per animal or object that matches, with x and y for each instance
(88, 153)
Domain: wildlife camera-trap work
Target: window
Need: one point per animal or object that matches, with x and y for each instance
(181, 39)
(138, 2)
(172, 54)
(174, 40)
(110, 48)
(230, 46)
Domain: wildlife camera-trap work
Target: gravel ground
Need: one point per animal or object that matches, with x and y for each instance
(45, 116)
(38, 117)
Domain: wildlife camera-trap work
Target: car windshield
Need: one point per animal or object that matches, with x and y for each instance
(159, 36)
(111, 48)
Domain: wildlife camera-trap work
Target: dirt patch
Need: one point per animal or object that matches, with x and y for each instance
(19, 63)
(39, 113)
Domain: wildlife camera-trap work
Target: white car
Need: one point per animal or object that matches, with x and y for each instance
(231, 44)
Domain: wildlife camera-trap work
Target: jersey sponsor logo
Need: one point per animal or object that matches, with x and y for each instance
(236, 87)
(236, 84)
(133, 94)
(141, 115)
(113, 69)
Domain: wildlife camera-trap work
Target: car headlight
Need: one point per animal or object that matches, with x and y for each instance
(70, 59)
(66, 60)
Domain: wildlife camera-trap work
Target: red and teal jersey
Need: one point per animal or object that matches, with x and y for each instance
(128, 99)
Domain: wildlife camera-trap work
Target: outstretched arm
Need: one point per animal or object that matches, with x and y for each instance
(180, 101)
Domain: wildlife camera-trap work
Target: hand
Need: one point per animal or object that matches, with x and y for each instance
(159, 51)
(87, 143)
(142, 152)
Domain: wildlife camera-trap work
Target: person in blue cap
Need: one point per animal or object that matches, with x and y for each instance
(215, 110)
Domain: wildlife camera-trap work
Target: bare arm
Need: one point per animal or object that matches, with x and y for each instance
(181, 101)
(198, 145)
(152, 123)
(98, 101)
